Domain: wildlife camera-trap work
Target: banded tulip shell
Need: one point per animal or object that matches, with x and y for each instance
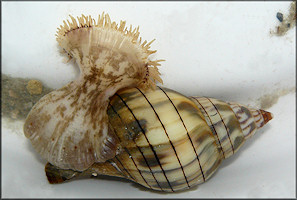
(113, 120)
(170, 142)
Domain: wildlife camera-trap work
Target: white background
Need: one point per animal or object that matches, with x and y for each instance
(221, 50)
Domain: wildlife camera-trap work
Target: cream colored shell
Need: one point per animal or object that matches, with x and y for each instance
(169, 142)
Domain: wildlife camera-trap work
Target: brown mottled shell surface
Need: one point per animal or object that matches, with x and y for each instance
(69, 126)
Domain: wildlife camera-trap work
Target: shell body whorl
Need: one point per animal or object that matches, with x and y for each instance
(171, 142)
(167, 144)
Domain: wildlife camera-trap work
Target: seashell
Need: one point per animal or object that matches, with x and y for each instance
(113, 120)
(170, 142)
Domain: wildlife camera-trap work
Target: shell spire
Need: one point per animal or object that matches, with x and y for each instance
(69, 126)
(231, 123)
(250, 119)
(267, 116)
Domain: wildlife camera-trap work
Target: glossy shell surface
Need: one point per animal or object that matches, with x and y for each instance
(167, 143)
(172, 142)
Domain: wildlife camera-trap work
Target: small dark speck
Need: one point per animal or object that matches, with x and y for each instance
(288, 25)
(279, 16)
